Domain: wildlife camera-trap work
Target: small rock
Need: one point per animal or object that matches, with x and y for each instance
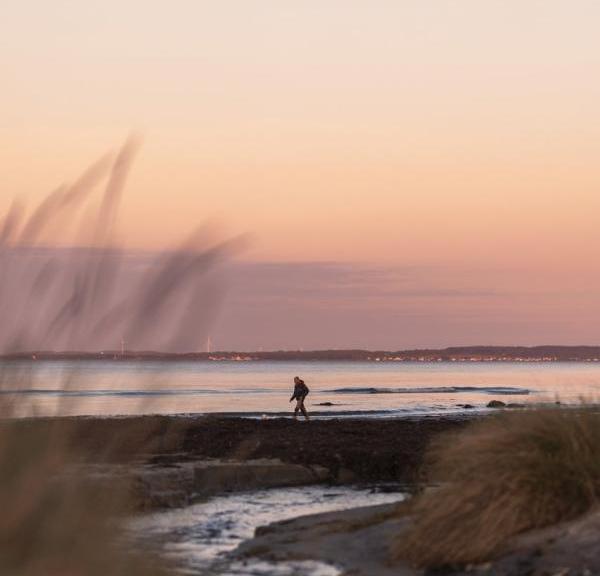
(324, 404)
(496, 404)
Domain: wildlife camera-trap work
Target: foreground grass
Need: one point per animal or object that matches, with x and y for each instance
(54, 521)
(501, 477)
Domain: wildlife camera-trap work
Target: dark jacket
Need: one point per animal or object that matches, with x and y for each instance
(300, 391)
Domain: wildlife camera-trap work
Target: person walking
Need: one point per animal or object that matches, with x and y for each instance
(300, 393)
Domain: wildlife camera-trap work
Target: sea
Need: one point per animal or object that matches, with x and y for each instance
(262, 389)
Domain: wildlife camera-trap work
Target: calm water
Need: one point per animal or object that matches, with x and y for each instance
(264, 388)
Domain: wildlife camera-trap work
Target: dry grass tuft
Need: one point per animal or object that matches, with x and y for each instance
(53, 521)
(501, 477)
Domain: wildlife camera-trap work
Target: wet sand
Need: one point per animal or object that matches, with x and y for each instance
(364, 449)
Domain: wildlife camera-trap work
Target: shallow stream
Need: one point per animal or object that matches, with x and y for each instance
(198, 538)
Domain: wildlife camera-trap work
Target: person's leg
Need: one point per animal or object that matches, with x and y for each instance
(301, 402)
(296, 409)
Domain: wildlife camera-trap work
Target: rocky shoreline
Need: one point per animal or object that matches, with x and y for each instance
(171, 461)
(358, 542)
(168, 462)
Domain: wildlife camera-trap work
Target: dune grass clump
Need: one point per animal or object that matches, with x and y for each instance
(54, 521)
(501, 477)
(54, 524)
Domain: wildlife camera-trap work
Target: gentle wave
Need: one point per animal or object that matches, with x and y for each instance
(439, 390)
(506, 390)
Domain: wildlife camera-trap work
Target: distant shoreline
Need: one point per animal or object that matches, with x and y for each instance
(453, 354)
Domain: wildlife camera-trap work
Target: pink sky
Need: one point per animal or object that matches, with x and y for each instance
(451, 147)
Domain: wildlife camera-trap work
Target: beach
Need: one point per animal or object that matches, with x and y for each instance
(248, 496)
(215, 475)
(190, 469)
(355, 449)
(300, 289)
(245, 496)
(177, 468)
(208, 454)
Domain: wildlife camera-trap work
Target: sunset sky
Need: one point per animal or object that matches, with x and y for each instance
(412, 173)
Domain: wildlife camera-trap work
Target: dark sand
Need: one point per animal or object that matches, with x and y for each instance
(371, 450)
(351, 449)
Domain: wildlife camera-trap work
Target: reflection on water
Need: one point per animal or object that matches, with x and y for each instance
(199, 537)
(264, 568)
(132, 387)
